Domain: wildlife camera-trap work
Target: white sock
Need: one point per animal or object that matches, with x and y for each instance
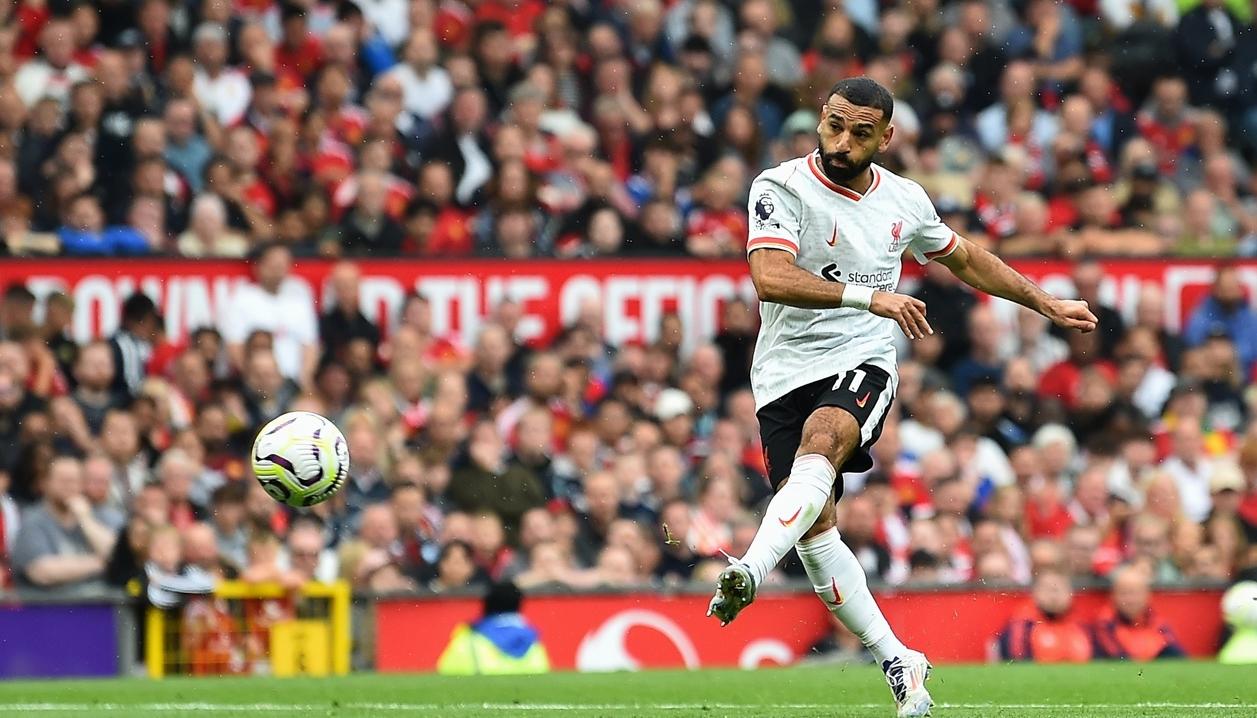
(839, 581)
(790, 513)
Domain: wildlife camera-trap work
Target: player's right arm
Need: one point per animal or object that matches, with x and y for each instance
(773, 247)
(778, 279)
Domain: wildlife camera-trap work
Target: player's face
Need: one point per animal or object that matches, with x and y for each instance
(849, 136)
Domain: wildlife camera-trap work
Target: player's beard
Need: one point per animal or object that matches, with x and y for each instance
(841, 174)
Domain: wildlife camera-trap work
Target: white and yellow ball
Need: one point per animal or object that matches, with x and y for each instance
(300, 458)
(1239, 605)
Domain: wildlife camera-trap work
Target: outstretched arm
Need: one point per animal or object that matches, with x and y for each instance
(778, 279)
(982, 270)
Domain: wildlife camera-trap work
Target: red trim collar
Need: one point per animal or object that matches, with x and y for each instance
(839, 189)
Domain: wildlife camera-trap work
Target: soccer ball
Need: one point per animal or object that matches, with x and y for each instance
(1239, 605)
(300, 458)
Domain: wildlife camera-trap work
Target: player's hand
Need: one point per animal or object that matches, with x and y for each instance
(1072, 314)
(908, 312)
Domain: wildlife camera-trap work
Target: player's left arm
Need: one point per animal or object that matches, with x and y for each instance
(982, 270)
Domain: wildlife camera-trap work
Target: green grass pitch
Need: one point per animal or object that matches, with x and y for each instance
(1109, 690)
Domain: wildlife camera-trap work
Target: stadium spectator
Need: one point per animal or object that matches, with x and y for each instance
(1129, 628)
(221, 89)
(227, 511)
(176, 471)
(344, 322)
(455, 568)
(486, 482)
(208, 234)
(1151, 547)
(1042, 630)
(61, 549)
(601, 507)
(1225, 311)
(304, 553)
(17, 309)
(200, 549)
(94, 385)
(55, 70)
(1189, 466)
(280, 304)
(134, 342)
(859, 527)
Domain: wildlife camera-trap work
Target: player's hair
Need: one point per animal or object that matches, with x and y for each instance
(865, 92)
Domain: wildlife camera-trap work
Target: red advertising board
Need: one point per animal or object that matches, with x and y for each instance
(632, 631)
(632, 293)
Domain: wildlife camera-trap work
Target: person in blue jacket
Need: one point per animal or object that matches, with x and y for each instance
(500, 643)
(84, 232)
(1226, 311)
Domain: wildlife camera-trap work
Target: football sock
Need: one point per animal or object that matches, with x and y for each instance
(839, 581)
(790, 513)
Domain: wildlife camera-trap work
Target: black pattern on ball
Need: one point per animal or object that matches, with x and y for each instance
(279, 461)
(281, 426)
(276, 489)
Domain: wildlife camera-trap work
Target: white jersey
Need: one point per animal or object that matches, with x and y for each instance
(843, 236)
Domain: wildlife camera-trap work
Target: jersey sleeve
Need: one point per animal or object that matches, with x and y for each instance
(932, 238)
(773, 218)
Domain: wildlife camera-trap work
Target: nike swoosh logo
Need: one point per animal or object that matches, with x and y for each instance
(793, 517)
(833, 583)
(834, 239)
(863, 400)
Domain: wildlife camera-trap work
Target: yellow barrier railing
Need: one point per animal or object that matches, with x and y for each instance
(246, 628)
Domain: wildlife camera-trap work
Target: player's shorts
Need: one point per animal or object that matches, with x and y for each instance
(865, 392)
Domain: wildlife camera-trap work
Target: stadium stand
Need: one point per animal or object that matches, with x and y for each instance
(521, 130)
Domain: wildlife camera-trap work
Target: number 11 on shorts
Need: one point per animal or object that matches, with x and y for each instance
(857, 378)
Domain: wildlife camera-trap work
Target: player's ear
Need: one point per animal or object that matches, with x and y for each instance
(886, 135)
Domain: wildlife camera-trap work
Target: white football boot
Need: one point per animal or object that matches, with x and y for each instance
(906, 676)
(734, 591)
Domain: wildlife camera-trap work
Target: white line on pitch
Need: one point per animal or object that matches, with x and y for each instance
(276, 707)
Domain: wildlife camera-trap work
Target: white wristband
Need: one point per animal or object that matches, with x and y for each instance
(856, 297)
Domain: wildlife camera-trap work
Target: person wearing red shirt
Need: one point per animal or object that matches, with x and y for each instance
(1062, 380)
(374, 158)
(299, 51)
(519, 16)
(1042, 630)
(244, 155)
(718, 227)
(451, 234)
(1128, 628)
(1046, 513)
(995, 200)
(1168, 123)
(86, 29)
(541, 152)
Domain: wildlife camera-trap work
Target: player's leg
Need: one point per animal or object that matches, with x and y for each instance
(835, 572)
(803, 496)
(804, 501)
(840, 583)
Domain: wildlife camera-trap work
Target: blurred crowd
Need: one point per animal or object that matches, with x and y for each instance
(579, 129)
(517, 128)
(578, 464)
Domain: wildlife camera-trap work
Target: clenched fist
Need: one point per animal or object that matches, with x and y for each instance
(1071, 314)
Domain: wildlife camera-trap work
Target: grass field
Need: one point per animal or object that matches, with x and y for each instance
(1092, 691)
